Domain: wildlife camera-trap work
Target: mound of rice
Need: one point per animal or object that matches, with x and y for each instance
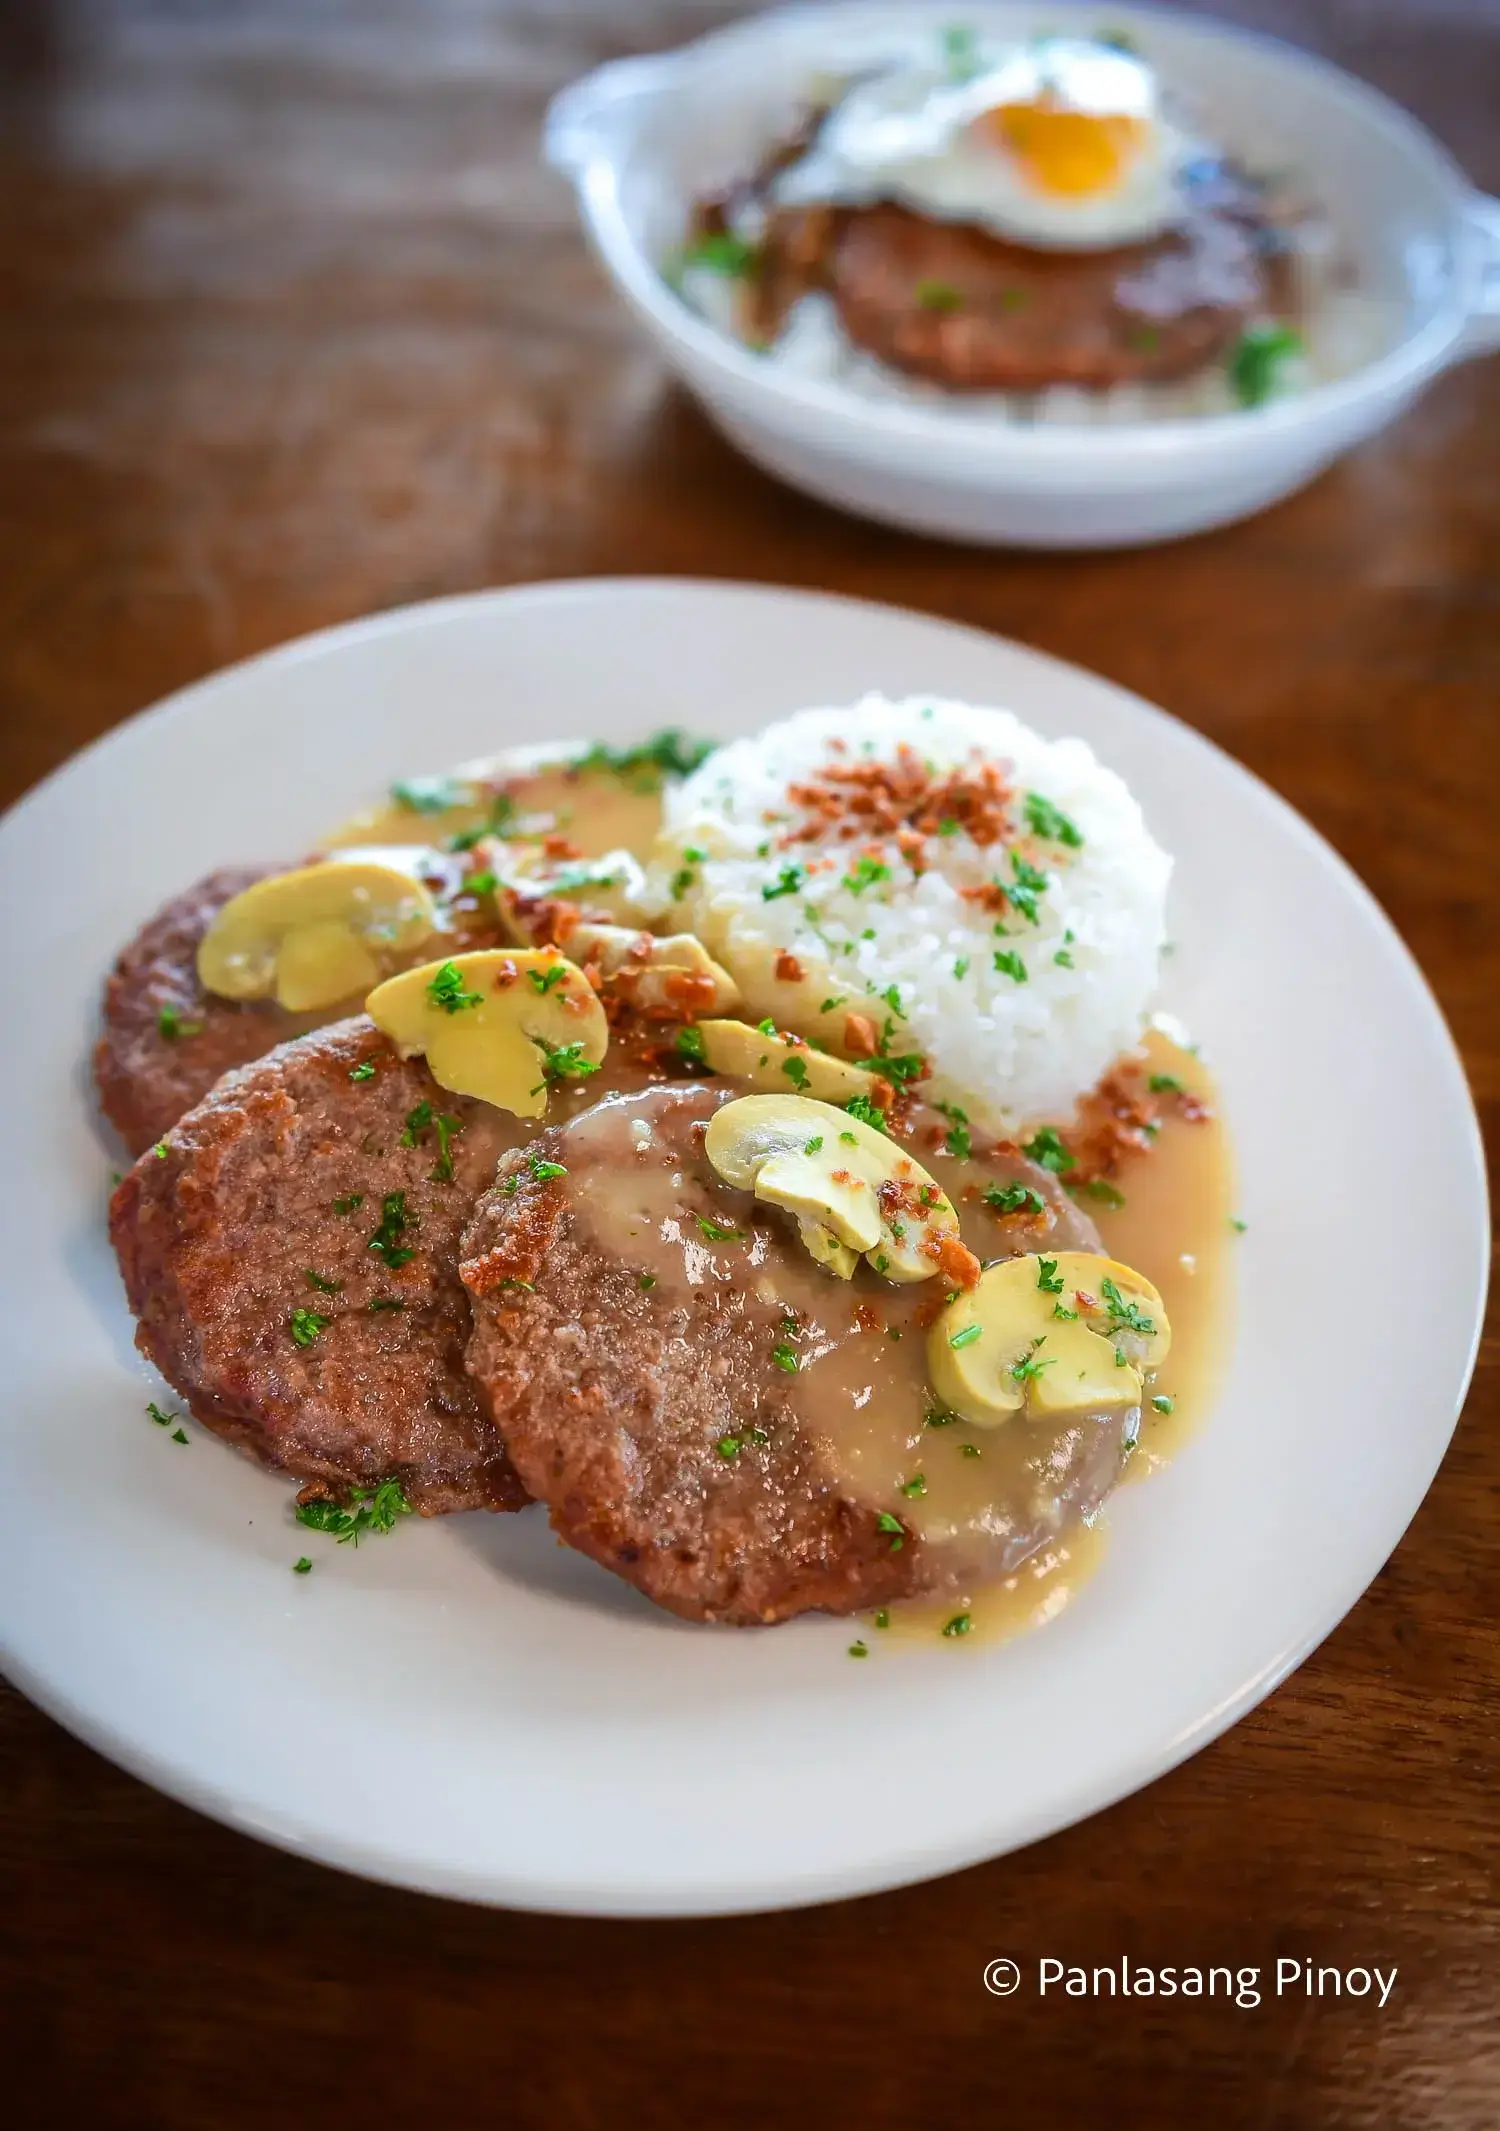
(992, 902)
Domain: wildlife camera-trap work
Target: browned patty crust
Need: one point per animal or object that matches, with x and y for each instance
(306, 1184)
(165, 1041)
(958, 305)
(646, 1412)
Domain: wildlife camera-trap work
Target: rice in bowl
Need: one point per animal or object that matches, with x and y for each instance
(931, 884)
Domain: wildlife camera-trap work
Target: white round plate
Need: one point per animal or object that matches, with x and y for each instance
(469, 1708)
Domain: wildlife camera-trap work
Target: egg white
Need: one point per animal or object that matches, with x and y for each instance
(904, 136)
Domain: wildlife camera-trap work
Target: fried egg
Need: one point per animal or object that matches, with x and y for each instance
(1058, 143)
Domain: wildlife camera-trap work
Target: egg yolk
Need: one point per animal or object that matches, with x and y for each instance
(1069, 153)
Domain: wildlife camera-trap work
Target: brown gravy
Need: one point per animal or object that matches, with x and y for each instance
(597, 810)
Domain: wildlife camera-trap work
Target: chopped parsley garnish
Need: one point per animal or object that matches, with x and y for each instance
(497, 820)
(1013, 1198)
(961, 966)
(372, 1509)
(169, 1023)
(1237, 1224)
(348, 1204)
(795, 1070)
(365, 1070)
(323, 1286)
(969, 1450)
(1164, 1084)
(424, 1119)
(1122, 1312)
(648, 1282)
(916, 1485)
(1026, 885)
(960, 1624)
(938, 296)
(1029, 1367)
(1068, 1316)
(178, 1436)
(787, 882)
(785, 1357)
(680, 883)
(565, 1061)
(813, 1144)
(728, 1446)
(1163, 1402)
(377, 1303)
(689, 1044)
(542, 1170)
(938, 1417)
(302, 1567)
(480, 883)
(967, 1336)
(868, 1113)
(767, 1027)
(910, 1065)
(960, 57)
(1048, 1150)
(160, 1150)
(431, 795)
(1063, 959)
(828, 1005)
(394, 1221)
(1100, 1188)
(162, 1420)
(1044, 819)
(959, 1142)
(850, 1137)
(1256, 364)
(885, 1522)
(543, 980)
(717, 1232)
(865, 873)
(859, 1649)
(891, 997)
(1048, 1278)
(721, 252)
(306, 1325)
(883, 1617)
(447, 989)
(668, 753)
(1009, 964)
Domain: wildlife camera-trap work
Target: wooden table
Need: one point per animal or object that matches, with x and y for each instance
(294, 328)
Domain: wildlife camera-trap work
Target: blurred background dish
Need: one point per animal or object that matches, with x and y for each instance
(894, 353)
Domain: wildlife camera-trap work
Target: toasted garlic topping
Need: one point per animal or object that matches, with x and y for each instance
(502, 1026)
(836, 1175)
(649, 971)
(316, 935)
(1057, 1335)
(768, 1061)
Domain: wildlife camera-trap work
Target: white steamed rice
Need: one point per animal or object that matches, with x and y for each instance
(1010, 1051)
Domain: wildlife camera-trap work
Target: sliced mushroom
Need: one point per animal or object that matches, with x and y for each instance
(501, 1026)
(775, 1062)
(316, 935)
(1057, 1335)
(839, 1176)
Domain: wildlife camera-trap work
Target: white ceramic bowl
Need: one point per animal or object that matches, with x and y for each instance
(641, 137)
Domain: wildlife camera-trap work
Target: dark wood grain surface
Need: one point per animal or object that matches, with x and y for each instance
(293, 327)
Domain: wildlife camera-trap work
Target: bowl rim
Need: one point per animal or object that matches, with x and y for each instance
(1400, 371)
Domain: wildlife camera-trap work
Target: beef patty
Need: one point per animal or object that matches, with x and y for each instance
(292, 1258)
(670, 1370)
(962, 307)
(165, 1041)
